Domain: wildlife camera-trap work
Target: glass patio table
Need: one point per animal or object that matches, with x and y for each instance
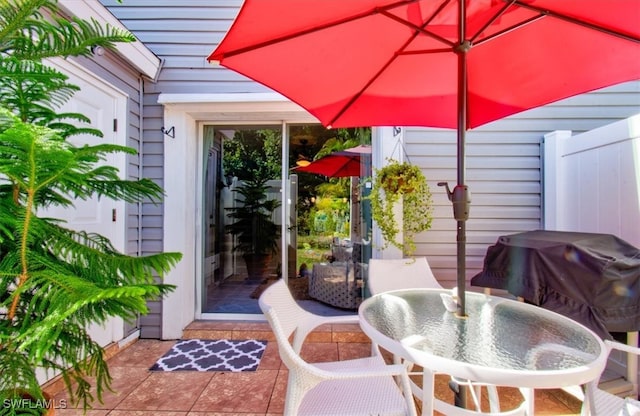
(501, 342)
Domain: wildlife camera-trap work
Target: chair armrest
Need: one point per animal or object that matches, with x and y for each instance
(340, 319)
(313, 321)
(381, 371)
(622, 347)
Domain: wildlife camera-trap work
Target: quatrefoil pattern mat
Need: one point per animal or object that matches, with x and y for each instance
(212, 355)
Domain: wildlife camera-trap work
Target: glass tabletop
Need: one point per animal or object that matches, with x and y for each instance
(497, 333)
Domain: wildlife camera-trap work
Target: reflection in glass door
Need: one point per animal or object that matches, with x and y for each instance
(241, 217)
(243, 194)
(331, 223)
(211, 266)
(210, 217)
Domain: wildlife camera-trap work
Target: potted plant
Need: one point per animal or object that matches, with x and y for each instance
(55, 281)
(403, 182)
(252, 225)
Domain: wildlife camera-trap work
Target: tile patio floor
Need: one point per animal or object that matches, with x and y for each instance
(137, 391)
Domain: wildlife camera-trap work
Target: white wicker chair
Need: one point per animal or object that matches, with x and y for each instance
(363, 386)
(291, 313)
(393, 274)
(598, 402)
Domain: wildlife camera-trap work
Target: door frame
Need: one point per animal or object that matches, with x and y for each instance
(187, 114)
(200, 202)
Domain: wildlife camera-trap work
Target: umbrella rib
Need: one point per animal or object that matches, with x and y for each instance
(417, 29)
(493, 19)
(560, 16)
(507, 30)
(315, 29)
(422, 29)
(425, 51)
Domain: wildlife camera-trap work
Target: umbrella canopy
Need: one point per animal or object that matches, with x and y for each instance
(336, 165)
(345, 163)
(437, 63)
(395, 62)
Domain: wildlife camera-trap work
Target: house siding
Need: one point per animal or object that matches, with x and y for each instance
(182, 34)
(504, 172)
(118, 73)
(503, 158)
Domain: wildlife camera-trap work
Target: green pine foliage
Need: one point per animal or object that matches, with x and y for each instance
(252, 224)
(55, 281)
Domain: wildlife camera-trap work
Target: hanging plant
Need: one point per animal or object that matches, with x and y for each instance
(401, 182)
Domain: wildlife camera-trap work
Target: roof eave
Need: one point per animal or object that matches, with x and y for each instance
(136, 53)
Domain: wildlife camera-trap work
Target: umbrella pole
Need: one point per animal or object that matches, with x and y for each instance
(460, 193)
(459, 198)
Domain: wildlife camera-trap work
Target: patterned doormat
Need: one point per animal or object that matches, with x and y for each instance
(212, 355)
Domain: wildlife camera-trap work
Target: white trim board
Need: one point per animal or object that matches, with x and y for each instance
(136, 53)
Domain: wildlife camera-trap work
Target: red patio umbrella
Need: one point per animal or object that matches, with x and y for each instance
(437, 63)
(341, 164)
(335, 165)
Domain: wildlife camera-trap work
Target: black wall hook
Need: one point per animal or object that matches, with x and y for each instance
(170, 132)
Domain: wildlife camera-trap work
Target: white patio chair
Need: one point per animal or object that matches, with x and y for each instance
(598, 402)
(392, 274)
(280, 297)
(364, 386)
(408, 273)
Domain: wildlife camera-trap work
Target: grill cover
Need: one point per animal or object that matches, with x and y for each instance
(591, 278)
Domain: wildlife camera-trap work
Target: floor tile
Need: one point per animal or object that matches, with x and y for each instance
(270, 358)
(124, 380)
(140, 392)
(225, 414)
(276, 404)
(146, 413)
(548, 405)
(142, 353)
(350, 351)
(319, 352)
(238, 392)
(80, 412)
(168, 391)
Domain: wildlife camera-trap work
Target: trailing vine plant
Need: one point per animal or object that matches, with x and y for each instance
(401, 182)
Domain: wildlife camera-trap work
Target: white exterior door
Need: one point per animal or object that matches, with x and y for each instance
(106, 108)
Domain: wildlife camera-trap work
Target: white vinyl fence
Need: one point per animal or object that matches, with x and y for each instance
(592, 180)
(592, 184)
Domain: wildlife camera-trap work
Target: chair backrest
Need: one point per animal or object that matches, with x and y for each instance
(278, 297)
(289, 357)
(342, 389)
(392, 274)
(283, 316)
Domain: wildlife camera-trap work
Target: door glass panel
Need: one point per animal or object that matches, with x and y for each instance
(331, 224)
(242, 214)
(242, 245)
